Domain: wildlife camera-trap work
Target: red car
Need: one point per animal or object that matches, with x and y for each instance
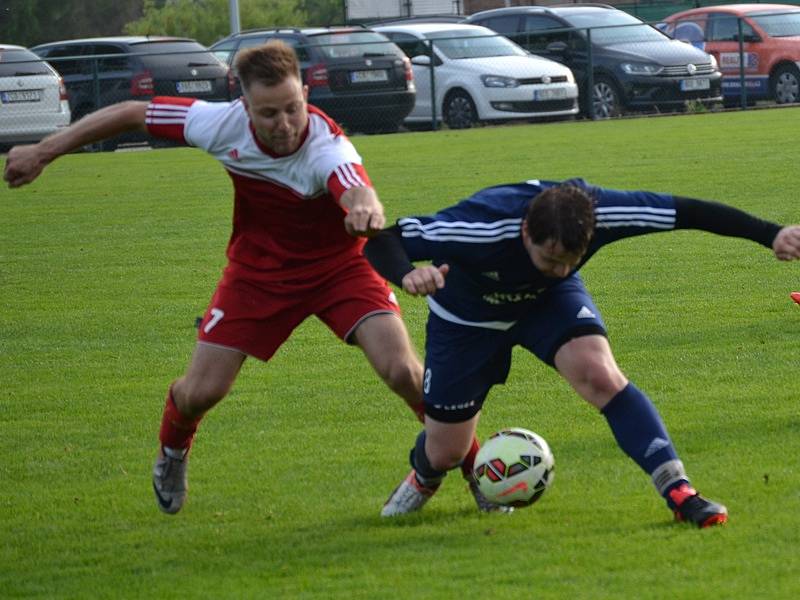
(771, 46)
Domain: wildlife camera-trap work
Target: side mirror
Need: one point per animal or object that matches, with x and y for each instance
(423, 60)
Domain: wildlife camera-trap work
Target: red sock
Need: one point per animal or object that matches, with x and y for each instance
(177, 430)
(469, 460)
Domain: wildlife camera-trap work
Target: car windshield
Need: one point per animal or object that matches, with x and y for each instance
(779, 23)
(167, 53)
(615, 27)
(19, 63)
(473, 43)
(354, 44)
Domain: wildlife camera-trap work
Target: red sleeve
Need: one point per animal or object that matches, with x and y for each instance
(166, 117)
(346, 176)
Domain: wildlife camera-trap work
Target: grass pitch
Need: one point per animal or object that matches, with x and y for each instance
(108, 258)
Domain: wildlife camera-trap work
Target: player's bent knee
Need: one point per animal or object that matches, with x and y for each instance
(194, 399)
(603, 379)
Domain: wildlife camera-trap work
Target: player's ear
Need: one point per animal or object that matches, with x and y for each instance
(305, 93)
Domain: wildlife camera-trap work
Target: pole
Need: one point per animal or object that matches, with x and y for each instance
(234, 10)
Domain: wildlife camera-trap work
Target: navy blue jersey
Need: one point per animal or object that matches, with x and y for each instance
(492, 281)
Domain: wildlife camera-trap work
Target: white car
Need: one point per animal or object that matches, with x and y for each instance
(33, 99)
(479, 75)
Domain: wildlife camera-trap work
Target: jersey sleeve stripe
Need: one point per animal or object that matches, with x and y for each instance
(348, 176)
(165, 117)
(461, 231)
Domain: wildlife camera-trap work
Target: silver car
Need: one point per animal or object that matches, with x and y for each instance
(33, 99)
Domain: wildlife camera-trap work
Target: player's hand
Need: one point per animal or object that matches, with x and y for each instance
(364, 219)
(425, 280)
(787, 243)
(23, 165)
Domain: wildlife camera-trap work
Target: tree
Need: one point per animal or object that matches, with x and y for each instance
(31, 22)
(209, 20)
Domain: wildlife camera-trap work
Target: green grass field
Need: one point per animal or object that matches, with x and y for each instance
(106, 261)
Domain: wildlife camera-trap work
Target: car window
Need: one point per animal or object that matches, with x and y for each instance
(120, 62)
(536, 37)
(299, 46)
(71, 66)
(689, 30)
(166, 54)
(459, 44)
(725, 28)
(615, 27)
(354, 44)
(17, 63)
(410, 44)
(507, 25)
(224, 50)
(779, 24)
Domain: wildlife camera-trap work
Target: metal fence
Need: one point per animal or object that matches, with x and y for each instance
(377, 96)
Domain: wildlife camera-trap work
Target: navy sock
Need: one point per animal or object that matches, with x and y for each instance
(426, 474)
(641, 434)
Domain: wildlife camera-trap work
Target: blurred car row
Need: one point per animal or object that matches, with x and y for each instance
(527, 62)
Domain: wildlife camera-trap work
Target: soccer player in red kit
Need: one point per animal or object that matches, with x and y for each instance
(301, 200)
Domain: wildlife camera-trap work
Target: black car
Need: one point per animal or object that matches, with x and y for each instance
(356, 75)
(635, 66)
(102, 71)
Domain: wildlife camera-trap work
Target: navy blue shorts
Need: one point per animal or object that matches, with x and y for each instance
(463, 362)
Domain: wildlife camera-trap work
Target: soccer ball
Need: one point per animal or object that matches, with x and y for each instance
(514, 467)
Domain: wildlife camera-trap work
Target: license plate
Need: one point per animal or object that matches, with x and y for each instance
(550, 94)
(702, 83)
(192, 87)
(369, 76)
(21, 96)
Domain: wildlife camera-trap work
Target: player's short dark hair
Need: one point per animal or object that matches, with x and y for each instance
(268, 64)
(563, 213)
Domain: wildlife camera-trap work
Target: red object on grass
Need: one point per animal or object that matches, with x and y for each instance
(795, 296)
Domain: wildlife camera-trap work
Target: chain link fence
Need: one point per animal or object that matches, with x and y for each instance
(373, 88)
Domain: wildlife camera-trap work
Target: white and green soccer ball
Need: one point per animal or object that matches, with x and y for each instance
(514, 467)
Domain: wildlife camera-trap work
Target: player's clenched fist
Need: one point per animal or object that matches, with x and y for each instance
(23, 165)
(787, 243)
(425, 280)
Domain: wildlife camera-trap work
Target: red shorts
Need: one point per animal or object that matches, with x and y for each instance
(256, 318)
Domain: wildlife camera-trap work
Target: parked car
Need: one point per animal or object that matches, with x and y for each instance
(479, 75)
(354, 74)
(33, 99)
(635, 66)
(771, 46)
(103, 71)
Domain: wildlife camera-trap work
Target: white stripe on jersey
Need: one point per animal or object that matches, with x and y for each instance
(445, 314)
(635, 216)
(348, 176)
(165, 114)
(461, 231)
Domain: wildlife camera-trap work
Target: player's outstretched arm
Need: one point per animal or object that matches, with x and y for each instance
(25, 163)
(787, 243)
(364, 211)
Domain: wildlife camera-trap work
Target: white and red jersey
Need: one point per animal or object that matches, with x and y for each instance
(287, 221)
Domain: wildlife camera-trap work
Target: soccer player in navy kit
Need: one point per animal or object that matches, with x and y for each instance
(504, 273)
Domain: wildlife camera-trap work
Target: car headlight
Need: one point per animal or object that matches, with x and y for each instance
(714, 64)
(498, 81)
(641, 68)
(570, 77)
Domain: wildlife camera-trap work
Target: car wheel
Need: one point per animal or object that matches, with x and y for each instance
(459, 111)
(606, 100)
(785, 84)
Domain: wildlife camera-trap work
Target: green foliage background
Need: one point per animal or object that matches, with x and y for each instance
(107, 259)
(31, 22)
